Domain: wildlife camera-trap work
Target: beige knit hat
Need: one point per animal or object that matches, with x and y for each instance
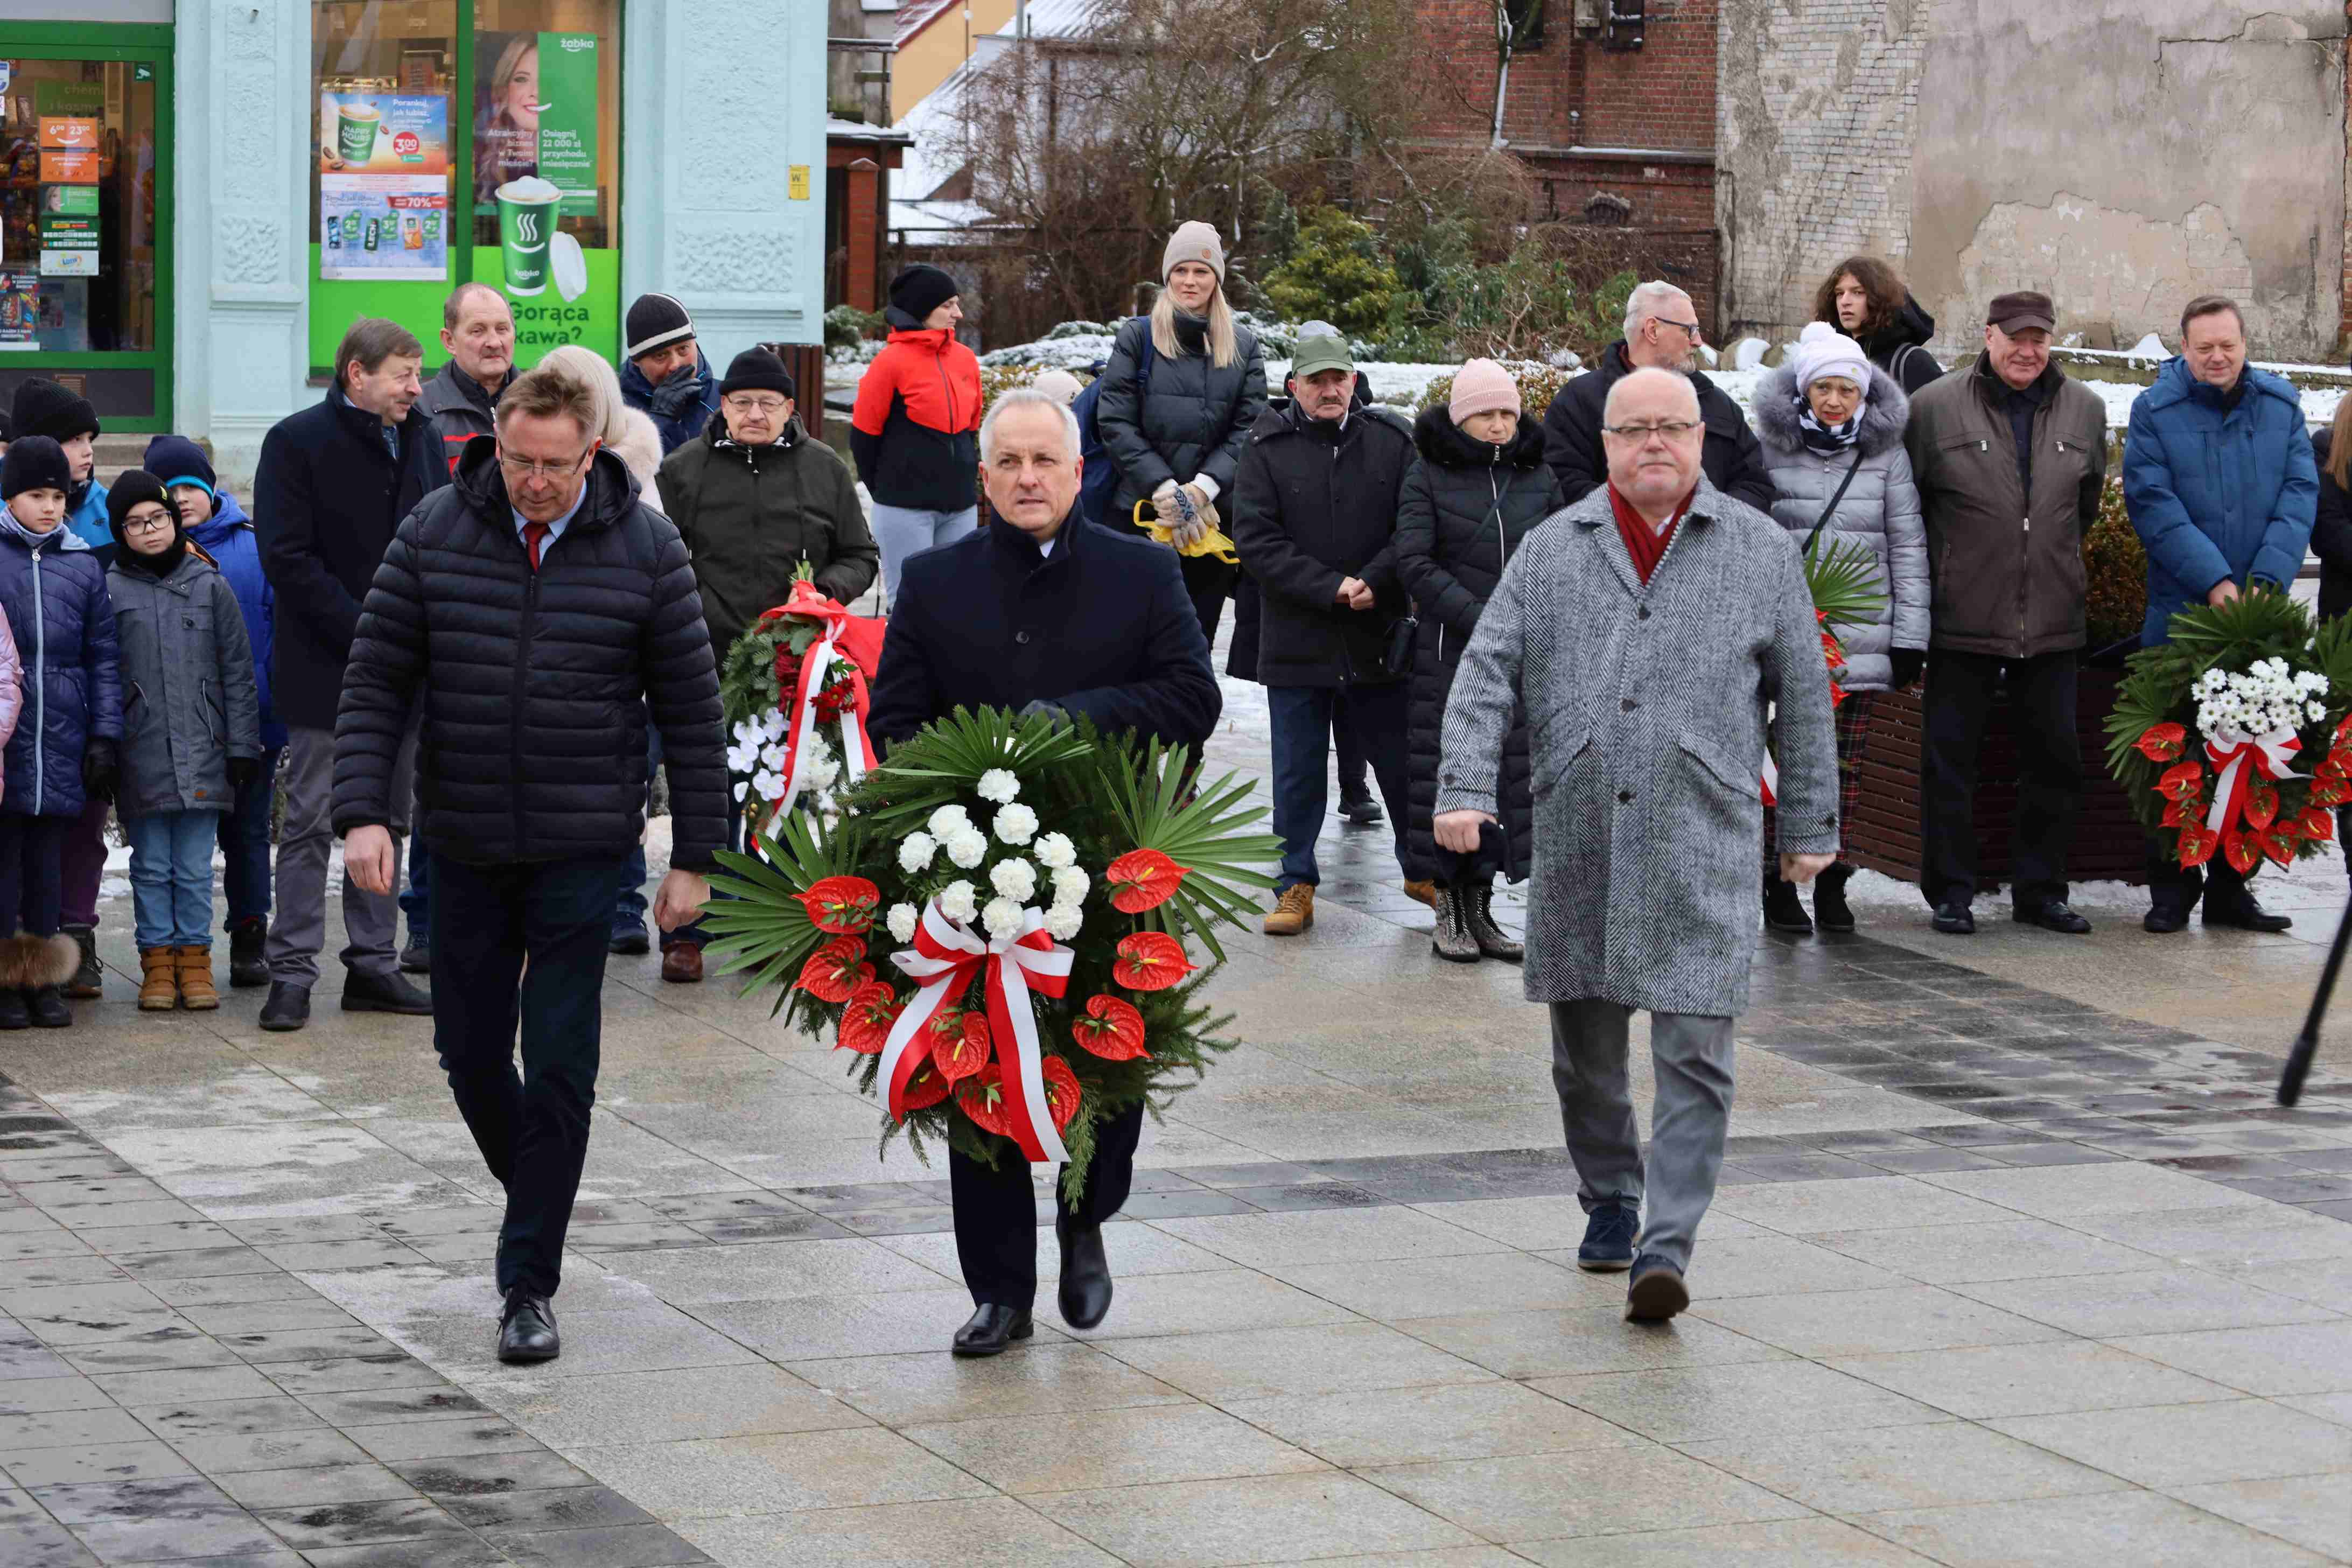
(1194, 241)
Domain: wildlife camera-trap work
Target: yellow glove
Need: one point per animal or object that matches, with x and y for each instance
(1212, 540)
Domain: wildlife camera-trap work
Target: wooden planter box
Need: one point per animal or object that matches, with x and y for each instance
(1884, 835)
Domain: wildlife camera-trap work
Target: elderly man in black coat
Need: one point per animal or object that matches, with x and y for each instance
(537, 609)
(1038, 610)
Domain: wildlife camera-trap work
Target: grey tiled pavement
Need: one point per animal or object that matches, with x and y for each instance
(1995, 1278)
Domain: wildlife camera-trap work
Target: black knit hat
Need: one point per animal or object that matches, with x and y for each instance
(135, 487)
(757, 370)
(920, 289)
(655, 321)
(176, 461)
(43, 407)
(33, 463)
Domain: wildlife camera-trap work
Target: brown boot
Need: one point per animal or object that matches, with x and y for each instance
(1293, 912)
(1421, 892)
(195, 965)
(159, 985)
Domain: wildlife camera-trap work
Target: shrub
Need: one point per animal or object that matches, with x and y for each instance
(1530, 302)
(846, 326)
(2115, 571)
(1337, 273)
(997, 378)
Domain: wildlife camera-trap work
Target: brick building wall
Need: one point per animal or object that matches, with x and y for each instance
(1815, 126)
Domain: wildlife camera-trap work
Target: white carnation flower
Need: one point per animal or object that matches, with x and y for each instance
(903, 919)
(1070, 885)
(1016, 824)
(1063, 921)
(915, 851)
(1054, 851)
(1015, 878)
(947, 819)
(959, 902)
(1000, 785)
(823, 769)
(967, 846)
(1001, 918)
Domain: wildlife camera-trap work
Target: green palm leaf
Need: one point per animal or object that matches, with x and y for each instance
(1200, 828)
(1843, 580)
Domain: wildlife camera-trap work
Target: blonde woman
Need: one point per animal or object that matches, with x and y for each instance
(505, 136)
(1182, 390)
(629, 432)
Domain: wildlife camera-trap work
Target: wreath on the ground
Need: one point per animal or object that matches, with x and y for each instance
(1050, 897)
(2207, 732)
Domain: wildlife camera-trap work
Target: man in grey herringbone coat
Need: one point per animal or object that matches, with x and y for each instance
(1647, 629)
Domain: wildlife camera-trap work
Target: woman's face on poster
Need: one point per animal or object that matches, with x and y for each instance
(521, 101)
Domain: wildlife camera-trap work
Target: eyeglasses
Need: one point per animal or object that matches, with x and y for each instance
(524, 468)
(142, 524)
(1672, 429)
(770, 407)
(1690, 327)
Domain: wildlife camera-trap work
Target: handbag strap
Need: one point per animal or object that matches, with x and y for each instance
(1836, 496)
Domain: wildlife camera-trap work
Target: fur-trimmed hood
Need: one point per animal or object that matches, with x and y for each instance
(1443, 442)
(640, 448)
(1884, 412)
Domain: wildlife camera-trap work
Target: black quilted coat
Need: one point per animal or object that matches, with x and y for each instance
(535, 685)
(1466, 505)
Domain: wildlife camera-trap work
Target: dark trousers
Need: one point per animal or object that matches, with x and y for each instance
(32, 876)
(996, 1210)
(1350, 760)
(629, 907)
(1208, 582)
(244, 844)
(2172, 886)
(1303, 718)
(1959, 692)
(81, 864)
(695, 933)
(532, 1127)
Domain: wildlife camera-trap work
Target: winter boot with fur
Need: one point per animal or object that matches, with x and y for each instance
(14, 1013)
(1450, 938)
(47, 1006)
(159, 984)
(88, 980)
(1479, 915)
(194, 964)
(29, 963)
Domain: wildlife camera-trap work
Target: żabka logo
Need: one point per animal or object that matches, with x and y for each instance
(573, 46)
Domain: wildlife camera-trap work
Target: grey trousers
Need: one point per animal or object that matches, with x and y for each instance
(370, 920)
(1691, 1053)
(900, 532)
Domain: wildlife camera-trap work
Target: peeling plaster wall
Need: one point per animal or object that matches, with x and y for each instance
(2119, 156)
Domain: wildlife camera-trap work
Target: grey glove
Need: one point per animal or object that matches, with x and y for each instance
(1040, 707)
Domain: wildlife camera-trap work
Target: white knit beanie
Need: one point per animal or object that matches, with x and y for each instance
(1822, 350)
(1194, 241)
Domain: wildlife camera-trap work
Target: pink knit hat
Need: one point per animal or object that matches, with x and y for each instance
(1480, 387)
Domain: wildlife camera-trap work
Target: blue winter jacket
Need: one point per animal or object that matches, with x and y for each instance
(89, 524)
(57, 605)
(228, 538)
(2217, 492)
(684, 426)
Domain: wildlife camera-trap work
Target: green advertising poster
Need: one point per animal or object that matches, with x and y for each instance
(77, 97)
(567, 117)
(70, 201)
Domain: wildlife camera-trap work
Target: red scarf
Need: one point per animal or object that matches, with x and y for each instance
(1647, 545)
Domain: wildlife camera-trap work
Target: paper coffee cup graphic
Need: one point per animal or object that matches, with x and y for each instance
(527, 213)
(356, 125)
(569, 266)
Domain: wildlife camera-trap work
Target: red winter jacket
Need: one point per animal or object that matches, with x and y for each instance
(916, 431)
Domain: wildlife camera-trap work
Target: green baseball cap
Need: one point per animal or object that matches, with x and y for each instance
(1320, 354)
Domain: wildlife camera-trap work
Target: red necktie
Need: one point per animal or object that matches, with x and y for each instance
(534, 536)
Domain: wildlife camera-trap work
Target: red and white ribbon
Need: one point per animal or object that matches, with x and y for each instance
(946, 955)
(2232, 751)
(1771, 780)
(856, 748)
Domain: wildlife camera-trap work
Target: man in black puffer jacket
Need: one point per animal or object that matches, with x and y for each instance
(537, 609)
(1315, 513)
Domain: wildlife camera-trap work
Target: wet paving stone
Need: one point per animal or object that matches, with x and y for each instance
(307, 1529)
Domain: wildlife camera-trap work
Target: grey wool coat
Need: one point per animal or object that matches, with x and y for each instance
(189, 700)
(1646, 712)
(1879, 512)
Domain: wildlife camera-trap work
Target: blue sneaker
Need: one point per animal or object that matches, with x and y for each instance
(1609, 1239)
(1656, 1292)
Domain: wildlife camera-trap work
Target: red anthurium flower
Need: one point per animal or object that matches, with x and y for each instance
(2278, 844)
(2240, 849)
(835, 971)
(2163, 743)
(926, 1088)
(960, 1044)
(2262, 806)
(1112, 1029)
(2183, 780)
(2198, 842)
(866, 1023)
(2315, 825)
(842, 905)
(1142, 879)
(2343, 732)
(1060, 1090)
(1837, 695)
(981, 1097)
(1150, 961)
(2173, 815)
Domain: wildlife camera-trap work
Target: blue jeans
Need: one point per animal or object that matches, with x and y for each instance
(1303, 717)
(172, 876)
(522, 947)
(244, 844)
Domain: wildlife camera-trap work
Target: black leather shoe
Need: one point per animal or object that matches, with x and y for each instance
(2052, 915)
(1657, 1291)
(991, 1329)
(2163, 919)
(1783, 911)
(2247, 914)
(287, 1008)
(1830, 912)
(247, 966)
(527, 1328)
(384, 994)
(629, 942)
(416, 958)
(14, 1013)
(1954, 920)
(47, 1006)
(1086, 1274)
(1360, 809)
